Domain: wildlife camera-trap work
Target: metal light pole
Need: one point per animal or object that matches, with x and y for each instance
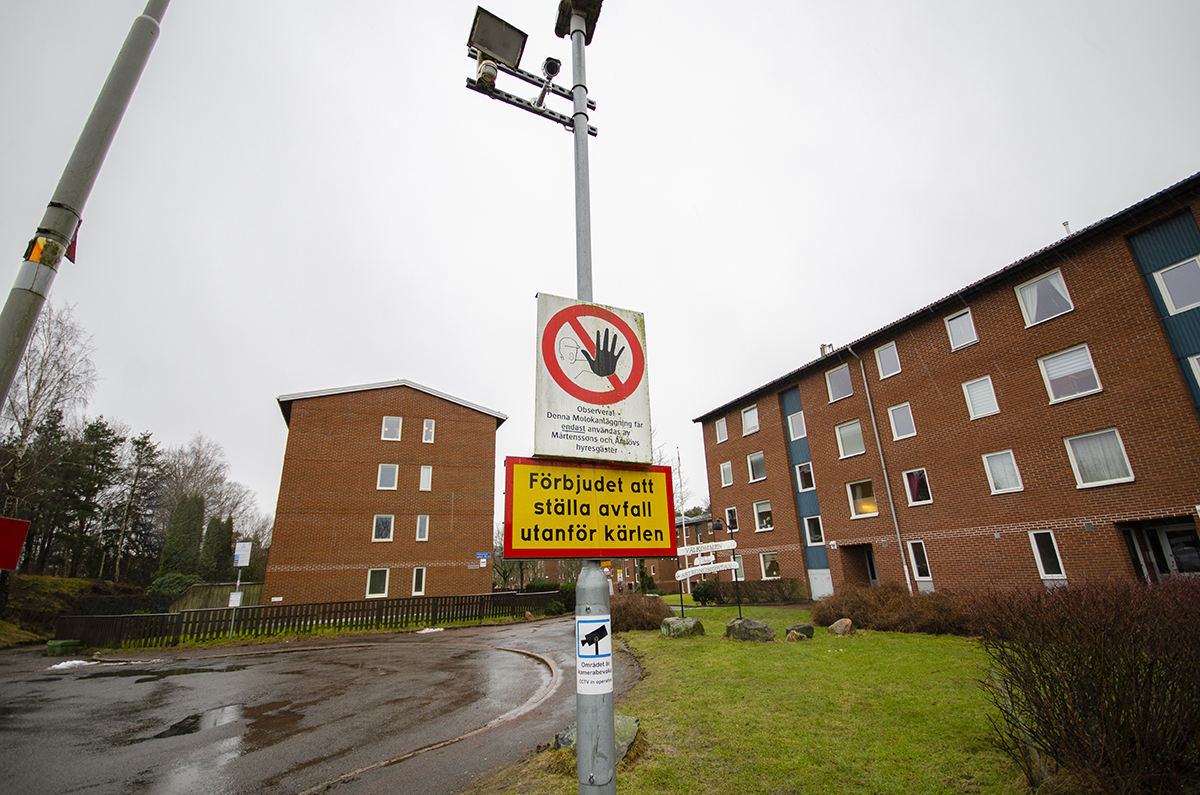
(65, 210)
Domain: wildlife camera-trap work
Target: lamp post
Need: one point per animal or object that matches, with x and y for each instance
(497, 47)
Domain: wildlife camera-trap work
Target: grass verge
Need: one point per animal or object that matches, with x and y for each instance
(876, 712)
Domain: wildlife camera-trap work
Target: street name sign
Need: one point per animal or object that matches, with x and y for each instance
(695, 571)
(574, 509)
(592, 392)
(712, 546)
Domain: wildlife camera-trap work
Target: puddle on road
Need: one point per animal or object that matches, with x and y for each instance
(154, 676)
(210, 719)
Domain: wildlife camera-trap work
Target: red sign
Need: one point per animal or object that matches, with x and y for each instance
(12, 539)
(620, 389)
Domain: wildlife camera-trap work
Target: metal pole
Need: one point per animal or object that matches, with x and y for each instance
(583, 204)
(65, 210)
(595, 733)
(233, 615)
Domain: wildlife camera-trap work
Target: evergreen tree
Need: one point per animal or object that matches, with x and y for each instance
(181, 553)
(216, 554)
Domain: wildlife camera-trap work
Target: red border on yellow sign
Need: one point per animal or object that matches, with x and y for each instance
(628, 521)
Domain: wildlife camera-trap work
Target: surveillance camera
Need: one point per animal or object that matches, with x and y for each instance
(551, 67)
(485, 75)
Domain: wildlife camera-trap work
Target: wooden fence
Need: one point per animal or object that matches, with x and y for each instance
(170, 629)
(215, 595)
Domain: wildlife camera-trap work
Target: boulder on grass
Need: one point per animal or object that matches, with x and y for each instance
(803, 629)
(793, 636)
(749, 629)
(625, 728)
(843, 626)
(676, 627)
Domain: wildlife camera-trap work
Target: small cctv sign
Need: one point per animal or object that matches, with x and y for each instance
(593, 654)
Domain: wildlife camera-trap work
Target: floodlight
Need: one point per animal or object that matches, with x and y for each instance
(588, 9)
(497, 39)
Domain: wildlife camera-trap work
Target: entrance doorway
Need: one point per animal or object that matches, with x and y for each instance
(869, 560)
(1176, 548)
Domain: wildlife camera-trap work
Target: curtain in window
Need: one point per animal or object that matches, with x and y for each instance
(1100, 458)
(1070, 373)
(1045, 298)
(983, 399)
(918, 486)
(1004, 472)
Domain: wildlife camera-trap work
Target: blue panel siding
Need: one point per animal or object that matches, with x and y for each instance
(806, 502)
(1158, 248)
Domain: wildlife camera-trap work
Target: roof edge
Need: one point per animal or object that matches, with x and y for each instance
(285, 401)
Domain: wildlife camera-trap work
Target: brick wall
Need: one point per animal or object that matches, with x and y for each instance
(322, 546)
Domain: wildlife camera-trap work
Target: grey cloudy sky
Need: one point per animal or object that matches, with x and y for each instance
(303, 195)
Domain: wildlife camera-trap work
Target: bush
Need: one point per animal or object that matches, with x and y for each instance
(763, 592)
(637, 611)
(892, 608)
(566, 591)
(1102, 679)
(704, 592)
(554, 609)
(174, 583)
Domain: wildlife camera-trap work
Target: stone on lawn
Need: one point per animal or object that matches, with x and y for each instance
(625, 728)
(793, 635)
(749, 629)
(843, 626)
(675, 627)
(803, 629)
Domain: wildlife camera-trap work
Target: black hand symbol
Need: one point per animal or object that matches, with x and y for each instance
(605, 363)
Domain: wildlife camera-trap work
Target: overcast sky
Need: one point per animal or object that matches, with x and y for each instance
(303, 195)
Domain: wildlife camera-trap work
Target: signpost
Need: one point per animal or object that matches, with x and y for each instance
(241, 559)
(704, 564)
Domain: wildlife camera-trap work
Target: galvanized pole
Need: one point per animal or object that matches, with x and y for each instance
(65, 210)
(583, 203)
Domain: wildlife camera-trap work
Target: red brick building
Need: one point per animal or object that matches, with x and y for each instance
(387, 491)
(1038, 425)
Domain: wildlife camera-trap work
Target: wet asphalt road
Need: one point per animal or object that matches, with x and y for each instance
(368, 716)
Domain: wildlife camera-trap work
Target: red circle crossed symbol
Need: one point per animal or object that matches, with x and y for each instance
(620, 389)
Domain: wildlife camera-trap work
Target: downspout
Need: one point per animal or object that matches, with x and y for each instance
(887, 481)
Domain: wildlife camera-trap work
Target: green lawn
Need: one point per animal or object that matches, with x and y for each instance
(873, 713)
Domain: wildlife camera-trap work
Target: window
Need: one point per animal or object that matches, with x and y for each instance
(726, 474)
(887, 359)
(377, 583)
(1195, 362)
(981, 398)
(902, 421)
(391, 428)
(1098, 459)
(1045, 552)
(850, 439)
(1044, 298)
(1180, 285)
(862, 499)
(762, 517)
(770, 565)
(757, 465)
(749, 420)
(739, 573)
(383, 528)
(961, 330)
(838, 382)
(804, 477)
(812, 527)
(1069, 374)
(423, 527)
(418, 581)
(1002, 472)
(731, 519)
(920, 563)
(916, 484)
(796, 427)
(653, 570)
(387, 477)
(427, 432)
(722, 432)
(426, 478)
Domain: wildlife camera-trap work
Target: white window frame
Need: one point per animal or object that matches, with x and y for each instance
(722, 430)
(1037, 556)
(653, 570)
(731, 520)
(879, 362)
(739, 574)
(423, 527)
(971, 406)
(829, 384)
(800, 480)
(1025, 313)
(1166, 294)
(907, 491)
(1079, 482)
(427, 431)
(424, 581)
(907, 408)
(850, 497)
(991, 479)
(394, 469)
(387, 576)
(750, 466)
(391, 519)
(1195, 362)
(750, 420)
(797, 429)
(912, 558)
(808, 536)
(426, 482)
(383, 434)
(1046, 375)
(841, 448)
(948, 319)
(726, 473)
(762, 564)
(756, 505)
